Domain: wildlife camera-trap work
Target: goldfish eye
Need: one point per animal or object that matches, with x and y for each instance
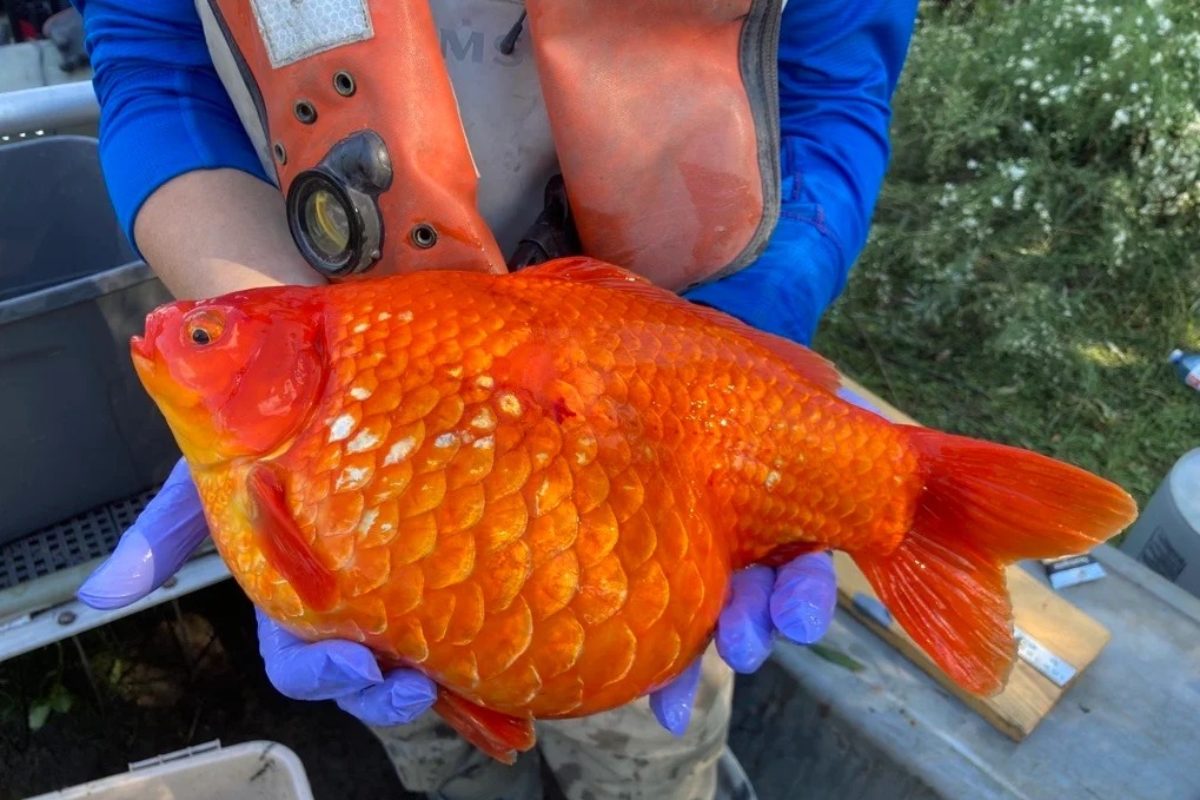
(203, 327)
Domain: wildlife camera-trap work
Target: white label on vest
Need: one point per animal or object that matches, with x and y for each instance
(299, 28)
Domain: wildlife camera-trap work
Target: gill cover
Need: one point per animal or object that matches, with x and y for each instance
(236, 375)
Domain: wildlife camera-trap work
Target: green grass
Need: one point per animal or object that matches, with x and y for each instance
(1034, 255)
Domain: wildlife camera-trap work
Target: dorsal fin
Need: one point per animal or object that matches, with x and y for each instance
(582, 269)
(589, 271)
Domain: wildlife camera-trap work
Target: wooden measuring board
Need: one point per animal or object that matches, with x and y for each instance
(1069, 639)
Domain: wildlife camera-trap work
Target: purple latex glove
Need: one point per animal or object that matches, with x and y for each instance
(797, 601)
(345, 672)
(154, 547)
(163, 537)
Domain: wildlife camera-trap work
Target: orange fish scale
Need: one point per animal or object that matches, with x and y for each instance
(537, 494)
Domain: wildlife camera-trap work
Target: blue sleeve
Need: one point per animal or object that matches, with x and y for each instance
(839, 62)
(163, 110)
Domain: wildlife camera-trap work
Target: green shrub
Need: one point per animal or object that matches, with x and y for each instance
(1034, 254)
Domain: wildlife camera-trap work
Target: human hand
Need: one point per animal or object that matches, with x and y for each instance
(345, 672)
(162, 538)
(795, 601)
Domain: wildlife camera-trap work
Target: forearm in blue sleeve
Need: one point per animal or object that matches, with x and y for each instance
(163, 110)
(839, 62)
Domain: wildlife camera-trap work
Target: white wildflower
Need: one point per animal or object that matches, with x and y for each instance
(1018, 198)
(1013, 171)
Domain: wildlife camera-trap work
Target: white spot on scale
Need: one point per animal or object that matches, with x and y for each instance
(455, 371)
(341, 427)
(405, 316)
(364, 441)
(485, 381)
(383, 316)
(485, 443)
(400, 451)
(360, 327)
(359, 393)
(445, 440)
(772, 480)
(485, 420)
(351, 476)
(368, 519)
(510, 404)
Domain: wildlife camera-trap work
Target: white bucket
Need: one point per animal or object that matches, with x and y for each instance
(1166, 537)
(249, 771)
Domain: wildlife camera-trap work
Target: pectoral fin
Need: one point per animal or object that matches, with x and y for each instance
(284, 544)
(499, 735)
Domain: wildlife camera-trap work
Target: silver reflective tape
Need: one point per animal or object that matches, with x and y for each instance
(296, 29)
(1036, 655)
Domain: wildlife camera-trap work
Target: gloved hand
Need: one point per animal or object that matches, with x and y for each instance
(163, 537)
(782, 293)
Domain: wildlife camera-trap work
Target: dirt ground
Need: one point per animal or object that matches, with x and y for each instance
(165, 681)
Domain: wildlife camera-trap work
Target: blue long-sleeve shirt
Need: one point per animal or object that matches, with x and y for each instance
(165, 112)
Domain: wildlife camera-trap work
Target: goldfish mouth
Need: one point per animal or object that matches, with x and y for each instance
(141, 349)
(178, 405)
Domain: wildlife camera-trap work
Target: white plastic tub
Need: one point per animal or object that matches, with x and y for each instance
(249, 771)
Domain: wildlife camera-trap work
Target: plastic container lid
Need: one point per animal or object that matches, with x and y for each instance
(257, 770)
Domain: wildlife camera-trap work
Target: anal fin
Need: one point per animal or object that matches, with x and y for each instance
(953, 602)
(284, 544)
(501, 736)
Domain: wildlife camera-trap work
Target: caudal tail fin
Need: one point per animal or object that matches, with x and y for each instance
(985, 506)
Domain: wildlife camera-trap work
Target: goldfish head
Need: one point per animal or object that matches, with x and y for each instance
(235, 376)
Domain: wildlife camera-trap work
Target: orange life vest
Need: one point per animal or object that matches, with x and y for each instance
(660, 115)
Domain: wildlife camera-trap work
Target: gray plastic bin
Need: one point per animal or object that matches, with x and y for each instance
(77, 431)
(1166, 537)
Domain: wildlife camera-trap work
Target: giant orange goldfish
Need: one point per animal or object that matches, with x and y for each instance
(534, 487)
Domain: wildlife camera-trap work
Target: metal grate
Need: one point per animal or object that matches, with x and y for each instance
(124, 512)
(74, 541)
